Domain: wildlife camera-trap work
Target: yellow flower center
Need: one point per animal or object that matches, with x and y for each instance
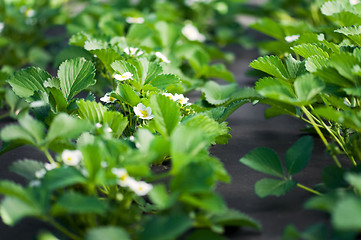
(144, 113)
(68, 159)
(124, 177)
(111, 99)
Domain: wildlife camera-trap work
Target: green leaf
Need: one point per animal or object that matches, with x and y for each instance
(271, 65)
(26, 168)
(218, 94)
(73, 202)
(186, 144)
(162, 81)
(307, 87)
(28, 81)
(233, 217)
(209, 126)
(122, 67)
(298, 156)
(344, 62)
(62, 177)
(13, 209)
(137, 34)
(273, 187)
(107, 57)
(91, 111)
(165, 227)
(276, 90)
(333, 177)
(147, 70)
(168, 33)
(116, 121)
(352, 32)
(166, 114)
(219, 71)
(11, 189)
(316, 62)
(75, 75)
(16, 133)
(354, 179)
(196, 177)
(126, 93)
(107, 232)
(66, 127)
(160, 197)
(346, 216)
(263, 160)
(32, 126)
(269, 27)
(308, 50)
(294, 67)
(210, 202)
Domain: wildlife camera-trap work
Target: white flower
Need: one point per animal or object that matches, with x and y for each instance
(136, 20)
(192, 33)
(108, 99)
(132, 138)
(71, 158)
(122, 175)
(321, 37)
(162, 57)
(180, 98)
(354, 2)
(104, 164)
(98, 125)
(2, 26)
(292, 38)
(30, 13)
(123, 77)
(40, 173)
(50, 166)
(133, 52)
(169, 95)
(143, 112)
(140, 188)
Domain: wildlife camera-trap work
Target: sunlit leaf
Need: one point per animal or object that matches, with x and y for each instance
(75, 75)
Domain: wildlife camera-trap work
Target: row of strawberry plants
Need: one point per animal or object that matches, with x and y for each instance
(314, 76)
(127, 153)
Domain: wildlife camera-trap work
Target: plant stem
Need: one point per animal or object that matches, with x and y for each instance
(63, 229)
(309, 189)
(310, 117)
(48, 156)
